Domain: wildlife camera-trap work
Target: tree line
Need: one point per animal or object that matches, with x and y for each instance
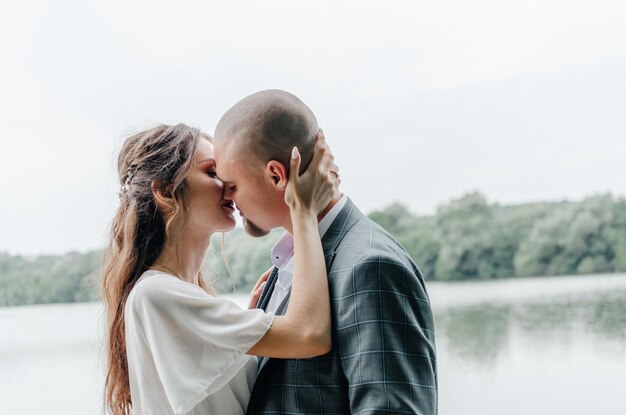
(467, 238)
(471, 239)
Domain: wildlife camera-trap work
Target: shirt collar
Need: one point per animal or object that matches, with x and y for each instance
(283, 249)
(329, 218)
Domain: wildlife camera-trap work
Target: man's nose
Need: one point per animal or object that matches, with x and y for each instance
(227, 193)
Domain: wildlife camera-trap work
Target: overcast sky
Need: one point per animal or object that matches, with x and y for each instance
(421, 101)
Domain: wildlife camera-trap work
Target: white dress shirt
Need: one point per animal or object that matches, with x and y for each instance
(282, 256)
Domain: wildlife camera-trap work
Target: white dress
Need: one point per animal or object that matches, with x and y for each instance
(186, 349)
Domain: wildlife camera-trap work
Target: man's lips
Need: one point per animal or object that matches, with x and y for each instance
(229, 205)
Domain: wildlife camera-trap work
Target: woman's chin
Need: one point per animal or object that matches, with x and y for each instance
(225, 224)
(227, 221)
(229, 225)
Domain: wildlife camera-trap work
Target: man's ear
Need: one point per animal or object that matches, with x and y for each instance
(276, 174)
(163, 196)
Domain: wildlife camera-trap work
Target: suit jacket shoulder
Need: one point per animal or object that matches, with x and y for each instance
(365, 241)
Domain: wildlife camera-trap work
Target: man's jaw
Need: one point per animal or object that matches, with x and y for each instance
(252, 229)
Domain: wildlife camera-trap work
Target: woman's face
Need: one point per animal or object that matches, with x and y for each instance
(208, 212)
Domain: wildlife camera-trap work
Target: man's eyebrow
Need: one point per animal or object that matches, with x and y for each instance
(205, 160)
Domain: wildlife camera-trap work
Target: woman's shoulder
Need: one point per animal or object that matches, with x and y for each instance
(154, 282)
(158, 289)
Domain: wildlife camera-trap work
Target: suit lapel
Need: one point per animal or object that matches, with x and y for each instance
(345, 219)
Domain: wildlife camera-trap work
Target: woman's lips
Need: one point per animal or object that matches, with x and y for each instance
(229, 205)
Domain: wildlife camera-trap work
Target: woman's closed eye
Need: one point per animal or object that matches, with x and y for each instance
(212, 174)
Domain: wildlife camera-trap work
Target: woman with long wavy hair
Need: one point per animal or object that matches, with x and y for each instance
(173, 347)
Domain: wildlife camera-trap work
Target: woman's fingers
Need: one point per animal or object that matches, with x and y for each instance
(319, 152)
(325, 167)
(267, 273)
(258, 289)
(316, 185)
(337, 181)
(328, 167)
(294, 165)
(328, 163)
(255, 295)
(262, 279)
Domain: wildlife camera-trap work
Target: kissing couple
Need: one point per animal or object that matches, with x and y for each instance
(340, 324)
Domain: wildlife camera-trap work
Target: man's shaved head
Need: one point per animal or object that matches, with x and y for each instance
(267, 125)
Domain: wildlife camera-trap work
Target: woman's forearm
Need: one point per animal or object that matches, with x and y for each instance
(305, 330)
(309, 303)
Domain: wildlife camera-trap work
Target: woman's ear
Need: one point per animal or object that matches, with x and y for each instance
(276, 174)
(163, 196)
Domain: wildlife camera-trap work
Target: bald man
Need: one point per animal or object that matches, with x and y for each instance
(383, 356)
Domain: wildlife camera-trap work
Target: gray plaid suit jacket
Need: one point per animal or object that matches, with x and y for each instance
(383, 356)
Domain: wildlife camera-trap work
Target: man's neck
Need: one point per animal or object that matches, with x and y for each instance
(336, 198)
(333, 201)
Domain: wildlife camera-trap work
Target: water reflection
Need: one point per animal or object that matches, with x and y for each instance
(479, 334)
(476, 334)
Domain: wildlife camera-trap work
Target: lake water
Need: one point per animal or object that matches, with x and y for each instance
(521, 346)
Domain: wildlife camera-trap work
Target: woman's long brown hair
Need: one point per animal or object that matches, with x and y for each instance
(161, 157)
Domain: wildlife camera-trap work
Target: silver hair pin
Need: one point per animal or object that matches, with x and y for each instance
(129, 179)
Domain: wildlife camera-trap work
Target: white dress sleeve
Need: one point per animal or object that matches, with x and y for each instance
(197, 341)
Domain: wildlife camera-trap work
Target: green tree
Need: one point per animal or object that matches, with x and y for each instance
(465, 227)
(395, 219)
(619, 235)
